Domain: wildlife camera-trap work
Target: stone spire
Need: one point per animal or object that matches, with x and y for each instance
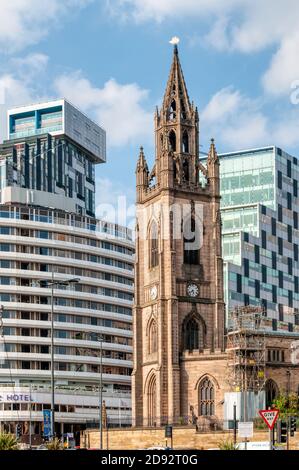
(213, 167)
(141, 174)
(176, 102)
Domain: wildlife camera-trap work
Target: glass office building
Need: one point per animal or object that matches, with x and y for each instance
(260, 208)
(46, 231)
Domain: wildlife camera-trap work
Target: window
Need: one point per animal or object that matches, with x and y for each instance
(280, 246)
(172, 141)
(289, 200)
(295, 188)
(172, 110)
(279, 179)
(191, 255)
(295, 219)
(185, 142)
(152, 400)
(257, 254)
(280, 312)
(264, 273)
(279, 212)
(257, 289)
(193, 334)
(5, 247)
(186, 170)
(246, 267)
(154, 254)
(290, 266)
(43, 234)
(206, 398)
(295, 252)
(264, 239)
(290, 234)
(280, 279)
(273, 224)
(239, 283)
(289, 169)
(152, 337)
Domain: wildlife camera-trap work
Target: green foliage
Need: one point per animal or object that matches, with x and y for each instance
(287, 404)
(8, 442)
(227, 444)
(55, 445)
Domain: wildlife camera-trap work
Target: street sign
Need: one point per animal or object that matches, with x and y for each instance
(270, 417)
(245, 430)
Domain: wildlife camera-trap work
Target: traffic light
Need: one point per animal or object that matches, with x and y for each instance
(19, 431)
(282, 432)
(293, 426)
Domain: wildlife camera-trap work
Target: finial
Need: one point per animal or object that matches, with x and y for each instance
(212, 140)
(141, 149)
(175, 41)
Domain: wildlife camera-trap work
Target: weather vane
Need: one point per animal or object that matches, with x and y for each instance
(175, 40)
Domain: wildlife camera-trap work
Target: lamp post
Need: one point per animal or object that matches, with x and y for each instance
(53, 283)
(100, 339)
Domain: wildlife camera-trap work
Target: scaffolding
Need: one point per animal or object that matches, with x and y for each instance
(246, 350)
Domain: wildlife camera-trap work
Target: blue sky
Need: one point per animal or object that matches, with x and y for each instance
(111, 58)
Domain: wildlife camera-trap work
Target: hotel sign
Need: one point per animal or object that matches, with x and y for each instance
(15, 398)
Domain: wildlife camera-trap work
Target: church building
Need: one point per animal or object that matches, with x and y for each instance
(180, 359)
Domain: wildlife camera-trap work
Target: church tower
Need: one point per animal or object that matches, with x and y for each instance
(179, 307)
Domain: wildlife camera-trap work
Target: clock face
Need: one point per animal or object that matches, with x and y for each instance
(192, 290)
(154, 292)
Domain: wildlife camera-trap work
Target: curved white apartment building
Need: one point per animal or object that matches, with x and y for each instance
(48, 230)
(34, 243)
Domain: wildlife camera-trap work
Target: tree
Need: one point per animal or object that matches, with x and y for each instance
(287, 404)
(8, 442)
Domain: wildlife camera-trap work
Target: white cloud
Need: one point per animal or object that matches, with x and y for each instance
(159, 10)
(223, 103)
(236, 25)
(29, 66)
(25, 22)
(240, 122)
(235, 120)
(118, 108)
(284, 68)
(18, 86)
(13, 92)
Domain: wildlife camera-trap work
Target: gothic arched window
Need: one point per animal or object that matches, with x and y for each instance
(272, 392)
(193, 334)
(153, 245)
(183, 110)
(186, 170)
(191, 251)
(206, 392)
(151, 401)
(152, 337)
(172, 141)
(185, 142)
(172, 111)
